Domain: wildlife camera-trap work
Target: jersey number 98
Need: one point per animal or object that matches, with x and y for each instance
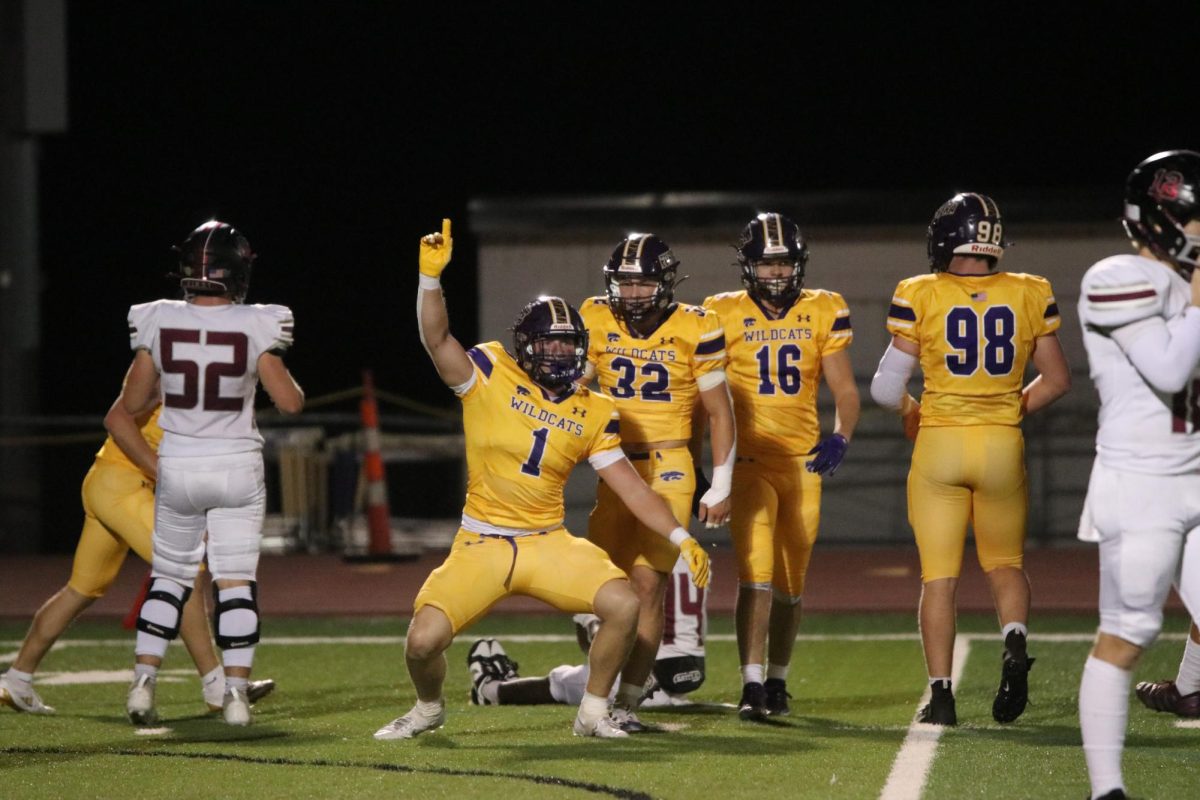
(999, 326)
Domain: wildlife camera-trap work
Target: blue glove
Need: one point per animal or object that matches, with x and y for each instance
(702, 486)
(829, 454)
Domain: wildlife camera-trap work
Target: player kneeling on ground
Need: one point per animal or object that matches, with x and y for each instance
(526, 425)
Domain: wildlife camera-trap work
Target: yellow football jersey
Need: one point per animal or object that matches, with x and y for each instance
(775, 366)
(522, 444)
(975, 333)
(653, 378)
(151, 432)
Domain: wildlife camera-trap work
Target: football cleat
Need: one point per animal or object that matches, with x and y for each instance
(256, 691)
(140, 702)
(940, 708)
(1115, 794)
(414, 723)
(487, 661)
(627, 720)
(777, 697)
(1165, 696)
(1013, 694)
(236, 707)
(753, 705)
(604, 728)
(22, 697)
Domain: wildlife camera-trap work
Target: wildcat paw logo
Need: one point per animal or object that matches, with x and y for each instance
(673, 475)
(614, 337)
(523, 391)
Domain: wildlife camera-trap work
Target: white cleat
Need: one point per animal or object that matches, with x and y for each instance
(237, 707)
(603, 728)
(140, 703)
(414, 723)
(20, 697)
(627, 720)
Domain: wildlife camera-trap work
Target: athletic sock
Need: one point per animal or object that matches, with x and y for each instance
(1188, 679)
(429, 710)
(22, 680)
(777, 671)
(592, 708)
(145, 669)
(752, 673)
(489, 690)
(1103, 713)
(628, 695)
(212, 684)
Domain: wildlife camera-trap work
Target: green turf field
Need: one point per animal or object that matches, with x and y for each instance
(855, 687)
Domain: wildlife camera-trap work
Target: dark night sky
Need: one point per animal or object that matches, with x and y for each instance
(334, 134)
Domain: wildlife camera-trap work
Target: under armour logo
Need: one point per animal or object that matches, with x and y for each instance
(666, 340)
(580, 411)
(804, 318)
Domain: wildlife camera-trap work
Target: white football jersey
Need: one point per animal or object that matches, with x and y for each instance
(1141, 429)
(685, 621)
(207, 360)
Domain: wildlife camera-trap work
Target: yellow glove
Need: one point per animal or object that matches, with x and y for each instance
(435, 251)
(697, 561)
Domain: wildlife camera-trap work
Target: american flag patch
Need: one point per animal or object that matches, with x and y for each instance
(979, 297)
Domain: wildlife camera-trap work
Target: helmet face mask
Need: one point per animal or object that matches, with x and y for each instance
(642, 258)
(1162, 195)
(772, 238)
(551, 342)
(967, 224)
(215, 260)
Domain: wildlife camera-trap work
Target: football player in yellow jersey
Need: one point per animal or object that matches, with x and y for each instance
(118, 504)
(658, 360)
(781, 339)
(526, 425)
(972, 329)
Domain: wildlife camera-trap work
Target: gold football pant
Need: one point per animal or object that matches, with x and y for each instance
(968, 474)
(627, 541)
(555, 567)
(776, 510)
(118, 507)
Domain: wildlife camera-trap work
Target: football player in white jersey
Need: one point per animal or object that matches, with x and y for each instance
(678, 666)
(205, 355)
(1141, 327)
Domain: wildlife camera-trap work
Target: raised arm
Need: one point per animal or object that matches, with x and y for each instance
(1054, 375)
(449, 357)
(653, 512)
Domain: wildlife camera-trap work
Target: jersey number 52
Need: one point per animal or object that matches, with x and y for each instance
(213, 372)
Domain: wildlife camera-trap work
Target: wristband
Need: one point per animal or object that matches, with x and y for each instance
(679, 536)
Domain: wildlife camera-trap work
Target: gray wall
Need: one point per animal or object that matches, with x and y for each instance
(865, 501)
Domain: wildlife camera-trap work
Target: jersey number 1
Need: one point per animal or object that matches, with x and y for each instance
(190, 370)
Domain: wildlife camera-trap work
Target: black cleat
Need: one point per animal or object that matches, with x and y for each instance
(1165, 696)
(1013, 694)
(777, 697)
(1115, 794)
(487, 661)
(940, 709)
(753, 705)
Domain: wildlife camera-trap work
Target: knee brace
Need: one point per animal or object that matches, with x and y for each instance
(235, 616)
(681, 674)
(163, 608)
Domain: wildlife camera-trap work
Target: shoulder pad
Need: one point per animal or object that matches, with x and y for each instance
(1123, 289)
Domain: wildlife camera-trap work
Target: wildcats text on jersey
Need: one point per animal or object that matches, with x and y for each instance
(522, 406)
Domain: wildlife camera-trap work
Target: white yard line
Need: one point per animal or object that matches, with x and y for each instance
(910, 770)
